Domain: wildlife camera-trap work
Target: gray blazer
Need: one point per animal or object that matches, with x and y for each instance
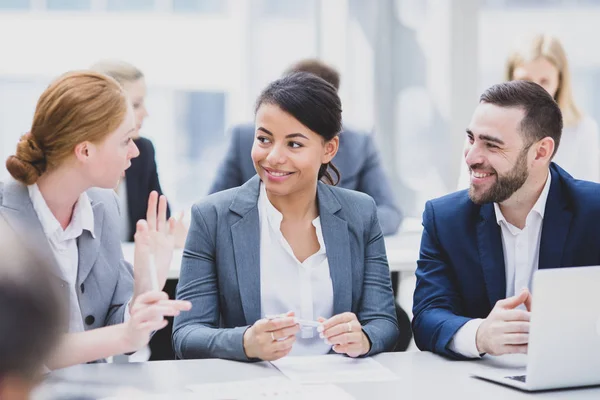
(357, 160)
(220, 270)
(104, 279)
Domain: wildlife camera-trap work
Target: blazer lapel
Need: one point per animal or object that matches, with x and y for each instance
(491, 254)
(555, 227)
(246, 248)
(19, 213)
(88, 246)
(337, 243)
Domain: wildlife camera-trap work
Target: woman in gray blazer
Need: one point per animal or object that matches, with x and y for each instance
(286, 263)
(62, 205)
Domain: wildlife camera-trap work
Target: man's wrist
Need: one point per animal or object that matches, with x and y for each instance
(479, 342)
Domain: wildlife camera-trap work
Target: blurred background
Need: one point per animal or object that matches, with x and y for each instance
(412, 70)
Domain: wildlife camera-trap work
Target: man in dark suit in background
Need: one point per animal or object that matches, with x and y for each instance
(357, 160)
(481, 247)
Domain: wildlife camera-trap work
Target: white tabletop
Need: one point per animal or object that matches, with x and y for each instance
(420, 376)
(402, 250)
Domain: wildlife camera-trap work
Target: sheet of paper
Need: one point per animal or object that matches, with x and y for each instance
(333, 369)
(267, 388)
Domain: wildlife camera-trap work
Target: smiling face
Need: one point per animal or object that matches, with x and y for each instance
(496, 154)
(287, 155)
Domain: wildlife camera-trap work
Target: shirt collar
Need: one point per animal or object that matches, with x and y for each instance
(82, 219)
(274, 217)
(539, 207)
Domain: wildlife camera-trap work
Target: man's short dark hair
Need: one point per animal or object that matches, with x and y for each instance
(542, 114)
(30, 310)
(318, 68)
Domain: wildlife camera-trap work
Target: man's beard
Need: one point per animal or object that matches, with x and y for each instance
(505, 184)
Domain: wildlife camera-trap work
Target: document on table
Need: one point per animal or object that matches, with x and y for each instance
(333, 369)
(268, 388)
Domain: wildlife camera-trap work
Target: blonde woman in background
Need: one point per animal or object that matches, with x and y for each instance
(543, 60)
(142, 177)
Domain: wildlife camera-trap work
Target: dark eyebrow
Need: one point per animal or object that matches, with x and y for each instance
(291, 135)
(485, 137)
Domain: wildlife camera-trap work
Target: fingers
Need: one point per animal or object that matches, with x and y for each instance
(161, 225)
(514, 349)
(141, 231)
(150, 297)
(514, 315)
(516, 338)
(182, 305)
(514, 301)
(157, 312)
(516, 327)
(283, 344)
(528, 301)
(285, 332)
(151, 211)
(338, 319)
(172, 225)
(352, 350)
(345, 339)
(276, 324)
(343, 328)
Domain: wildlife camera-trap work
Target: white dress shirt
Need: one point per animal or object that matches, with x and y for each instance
(290, 285)
(521, 258)
(578, 153)
(63, 244)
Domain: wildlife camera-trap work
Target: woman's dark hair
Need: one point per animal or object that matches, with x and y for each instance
(314, 103)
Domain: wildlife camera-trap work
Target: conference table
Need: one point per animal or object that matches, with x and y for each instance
(419, 375)
(402, 250)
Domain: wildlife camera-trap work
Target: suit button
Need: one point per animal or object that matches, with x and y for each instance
(89, 319)
(82, 288)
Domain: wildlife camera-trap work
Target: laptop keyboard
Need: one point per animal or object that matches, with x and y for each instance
(520, 378)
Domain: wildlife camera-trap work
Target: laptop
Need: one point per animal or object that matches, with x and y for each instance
(564, 333)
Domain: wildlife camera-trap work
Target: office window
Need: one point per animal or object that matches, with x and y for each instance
(205, 121)
(285, 8)
(68, 5)
(200, 6)
(130, 5)
(521, 4)
(10, 5)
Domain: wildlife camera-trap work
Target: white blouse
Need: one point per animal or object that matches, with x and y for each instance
(290, 285)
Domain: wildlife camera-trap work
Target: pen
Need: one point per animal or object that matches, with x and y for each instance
(300, 321)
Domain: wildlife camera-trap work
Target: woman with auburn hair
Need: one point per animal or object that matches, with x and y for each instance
(142, 177)
(62, 205)
(543, 60)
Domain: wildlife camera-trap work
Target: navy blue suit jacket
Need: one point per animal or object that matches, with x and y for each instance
(357, 160)
(461, 270)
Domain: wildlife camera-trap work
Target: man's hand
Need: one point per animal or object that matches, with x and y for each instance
(506, 329)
